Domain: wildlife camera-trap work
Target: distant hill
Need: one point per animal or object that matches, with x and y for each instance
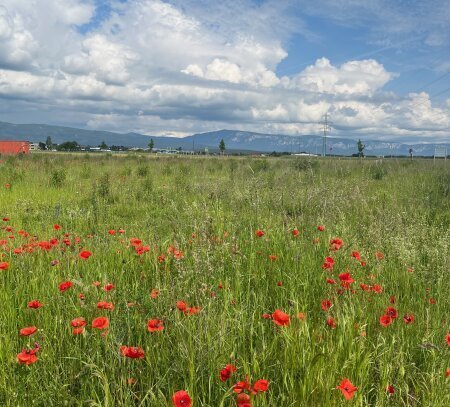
(234, 140)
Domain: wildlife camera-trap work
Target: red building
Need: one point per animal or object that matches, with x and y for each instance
(14, 147)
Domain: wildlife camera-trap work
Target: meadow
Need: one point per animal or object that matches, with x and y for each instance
(239, 281)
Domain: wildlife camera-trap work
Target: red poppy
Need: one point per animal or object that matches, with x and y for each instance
(392, 299)
(78, 331)
(447, 338)
(78, 322)
(408, 318)
(347, 389)
(132, 352)
(328, 263)
(259, 233)
(326, 305)
(85, 254)
(386, 320)
(226, 372)
(355, 254)
(280, 318)
(346, 280)
(239, 387)
(34, 304)
(266, 316)
(261, 385)
(192, 310)
(320, 228)
(301, 316)
(392, 312)
(336, 244)
(331, 281)
(112, 232)
(27, 356)
(65, 286)
(109, 287)
(378, 289)
(4, 265)
(447, 372)
(181, 399)
(273, 257)
(279, 283)
(181, 305)
(154, 294)
(390, 389)
(379, 255)
(243, 400)
(155, 325)
(105, 305)
(56, 227)
(331, 323)
(295, 232)
(30, 330)
(100, 323)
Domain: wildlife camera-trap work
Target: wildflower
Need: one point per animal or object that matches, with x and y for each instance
(280, 318)
(379, 255)
(4, 265)
(386, 320)
(56, 227)
(390, 389)
(392, 312)
(243, 400)
(320, 228)
(347, 389)
(266, 316)
(154, 294)
(132, 352)
(355, 254)
(181, 305)
(331, 323)
(273, 257)
(155, 325)
(85, 254)
(261, 385)
(112, 232)
(336, 244)
(295, 232)
(326, 305)
(447, 338)
(346, 280)
(408, 318)
(100, 323)
(301, 316)
(226, 372)
(328, 263)
(28, 356)
(331, 281)
(181, 399)
(65, 286)
(34, 304)
(259, 233)
(30, 330)
(109, 287)
(105, 305)
(239, 387)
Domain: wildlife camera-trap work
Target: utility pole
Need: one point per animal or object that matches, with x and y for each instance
(326, 128)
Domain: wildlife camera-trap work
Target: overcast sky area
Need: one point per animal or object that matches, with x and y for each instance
(380, 68)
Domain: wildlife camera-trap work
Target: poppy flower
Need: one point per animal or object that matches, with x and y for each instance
(226, 372)
(132, 352)
(386, 320)
(181, 399)
(295, 232)
(326, 305)
(408, 318)
(280, 318)
(56, 227)
(379, 255)
(447, 372)
(328, 263)
(4, 265)
(273, 257)
(347, 389)
(261, 385)
(239, 387)
(390, 389)
(100, 323)
(65, 286)
(392, 312)
(355, 254)
(266, 316)
(336, 244)
(378, 289)
(331, 323)
(301, 316)
(331, 281)
(30, 330)
(181, 305)
(192, 310)
(346, 280)
(105, 305)
(259, 233)
(109, 287)
(154, 294)
(85, 254)
(34, 304)
(447, 338)
(155, 325)
(320, 228)
(243, 400)
(112, 232)
(27, 356)
(78, 322)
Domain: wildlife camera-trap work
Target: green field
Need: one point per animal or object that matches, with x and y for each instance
(198, 218)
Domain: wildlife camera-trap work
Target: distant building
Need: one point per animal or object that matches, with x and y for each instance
(10, 147)
(34, 146)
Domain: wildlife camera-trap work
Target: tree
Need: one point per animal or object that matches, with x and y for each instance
(42, 146)
(361, 148)
(49, 143)
(103, 146)
(222, 146)
(151, 145)
(68, 146)
(411, 153)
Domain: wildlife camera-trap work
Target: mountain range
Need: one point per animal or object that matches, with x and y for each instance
(235, 140)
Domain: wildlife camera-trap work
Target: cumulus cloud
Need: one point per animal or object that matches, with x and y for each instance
(178, 67)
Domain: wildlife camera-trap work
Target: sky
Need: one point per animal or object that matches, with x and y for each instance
(379, 69)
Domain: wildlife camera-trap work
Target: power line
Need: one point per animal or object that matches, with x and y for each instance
(326, 129)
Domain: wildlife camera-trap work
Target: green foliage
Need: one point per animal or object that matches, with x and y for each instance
(58, 177)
